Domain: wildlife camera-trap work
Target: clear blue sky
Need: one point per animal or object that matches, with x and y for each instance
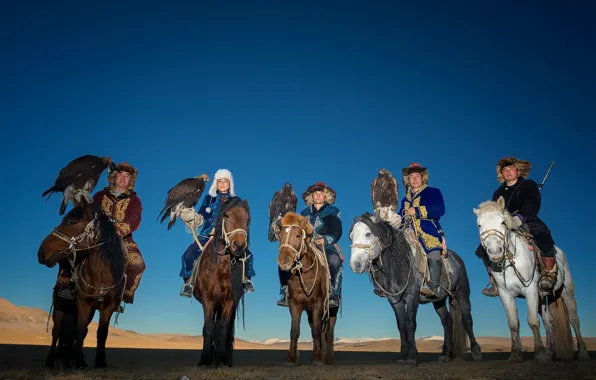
(277, 92)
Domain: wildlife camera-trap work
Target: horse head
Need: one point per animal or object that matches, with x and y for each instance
(294, 237)
(366, 235)
(493, 221)
(234, 222)
(76, 232)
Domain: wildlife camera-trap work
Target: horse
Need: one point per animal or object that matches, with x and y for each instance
(386, 255)
(308, 287)
(219, 281)
(518, 278)
(98, 274)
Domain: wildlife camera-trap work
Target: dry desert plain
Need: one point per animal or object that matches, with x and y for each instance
(24, 344)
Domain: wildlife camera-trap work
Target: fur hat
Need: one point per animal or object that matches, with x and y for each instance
(523, 167)
(220, 174)
(319, 186)
(123, 167)
(414, 168)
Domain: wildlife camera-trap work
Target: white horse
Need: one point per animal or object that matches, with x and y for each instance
(519, 278)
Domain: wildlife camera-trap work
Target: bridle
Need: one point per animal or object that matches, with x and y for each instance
(297, 252)
(227, 236)
(90, 233)
(298, 255)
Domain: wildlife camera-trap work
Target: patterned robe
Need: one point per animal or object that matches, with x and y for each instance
(125, 212)
(430, 207)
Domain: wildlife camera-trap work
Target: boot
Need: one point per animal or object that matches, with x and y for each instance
(333, 301)
(283, 301)
(248, 286)
(549, 276)
(187, 289)
(492, 290)
(431, 288)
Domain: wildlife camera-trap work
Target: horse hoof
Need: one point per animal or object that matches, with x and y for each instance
(289, 364)
(516, 358)
(583, 355)
(81, 366)
(101, 365)
(444, 359)
(411, 362)
(477, 356)
(204, 363)
(317, 364)
(544, 358)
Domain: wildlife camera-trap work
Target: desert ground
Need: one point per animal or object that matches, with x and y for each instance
(24, 344)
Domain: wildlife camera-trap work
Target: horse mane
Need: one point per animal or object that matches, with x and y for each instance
(111, 250)
(395, 253)
(492, 206)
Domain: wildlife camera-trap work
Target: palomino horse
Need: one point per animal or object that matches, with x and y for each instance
(386, 254)
(308, 287)
(519, 278)
(99, 278)
(219, 283)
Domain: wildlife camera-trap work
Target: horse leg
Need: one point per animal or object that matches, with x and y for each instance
(296, 314)
(547, 319)
(315, 329)
(466, 312)
(84, 315)
(329, 357)
(534, 322)
(411, 311)
(57, 321)
(102, 335)
(399, 309)
(223, 356)
(571, 304)
(208, 325)
(447, 322)
(511, 310)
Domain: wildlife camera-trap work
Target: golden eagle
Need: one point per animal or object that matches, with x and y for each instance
(78, 178)
(282, 202)
(384, 191)
(186, 193)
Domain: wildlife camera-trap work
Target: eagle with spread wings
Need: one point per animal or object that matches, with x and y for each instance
(384, 191)
(78, 178)
(283, 201)
(185, 194)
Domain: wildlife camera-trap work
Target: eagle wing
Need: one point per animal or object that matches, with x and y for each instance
(283, 201)
(185, 193)
(384, 191)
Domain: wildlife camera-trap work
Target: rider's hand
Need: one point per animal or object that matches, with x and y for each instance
(516, 222)
(320, 241)
(411, 211)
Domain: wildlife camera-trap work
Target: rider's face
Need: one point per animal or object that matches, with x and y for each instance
(415, 180)
(510, 173)
(223, 185)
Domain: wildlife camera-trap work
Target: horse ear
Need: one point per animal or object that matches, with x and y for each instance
(476, 211)
(501, 203)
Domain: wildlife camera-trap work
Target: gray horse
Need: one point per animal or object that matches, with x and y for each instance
(387, 256)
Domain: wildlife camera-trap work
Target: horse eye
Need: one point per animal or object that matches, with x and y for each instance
(368, 234)
(72, 222)
(226, 216)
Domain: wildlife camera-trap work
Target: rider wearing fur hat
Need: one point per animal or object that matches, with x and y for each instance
(220, 191)
(423, 206)
(522, 199)
(326, 220)
(120, 202)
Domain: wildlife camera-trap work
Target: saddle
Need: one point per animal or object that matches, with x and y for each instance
(524, 233)
(421, 261)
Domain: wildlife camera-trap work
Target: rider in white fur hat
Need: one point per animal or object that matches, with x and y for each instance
(222, 189)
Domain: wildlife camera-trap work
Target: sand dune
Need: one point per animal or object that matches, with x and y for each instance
(25, 325)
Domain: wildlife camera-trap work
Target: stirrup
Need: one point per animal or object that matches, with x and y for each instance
(248, 286)
(187, 290)
(487, 291)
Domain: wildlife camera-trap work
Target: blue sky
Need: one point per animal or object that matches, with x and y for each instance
(281, 91)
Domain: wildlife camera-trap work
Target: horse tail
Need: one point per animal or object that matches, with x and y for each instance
(562, 339)
(460, 337)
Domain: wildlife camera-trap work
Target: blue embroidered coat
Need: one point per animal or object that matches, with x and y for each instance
(430, 207)
(327, 223)
(210, 210)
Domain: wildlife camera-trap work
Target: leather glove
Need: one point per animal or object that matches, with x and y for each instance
(190, 217)
(391, 217)
(516, 222)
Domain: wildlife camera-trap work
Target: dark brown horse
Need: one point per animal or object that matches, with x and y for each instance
(308, 287)
(99, 278)
(219, 283)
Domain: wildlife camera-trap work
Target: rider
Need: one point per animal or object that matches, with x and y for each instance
(326, 220)
(221, 190)
(522, 200)
(425, 206)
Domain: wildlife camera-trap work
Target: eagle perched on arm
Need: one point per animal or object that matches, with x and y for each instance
(282, 202)
(185, 194)
(384, 191)
(78, 178)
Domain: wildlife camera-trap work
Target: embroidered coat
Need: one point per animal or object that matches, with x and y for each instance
(430, 207)
(327, 223)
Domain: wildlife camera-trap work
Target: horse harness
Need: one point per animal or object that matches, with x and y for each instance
(88, 234)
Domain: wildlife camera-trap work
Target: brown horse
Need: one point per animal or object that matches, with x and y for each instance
(99, 278)
(308, 287)
(219, 283)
